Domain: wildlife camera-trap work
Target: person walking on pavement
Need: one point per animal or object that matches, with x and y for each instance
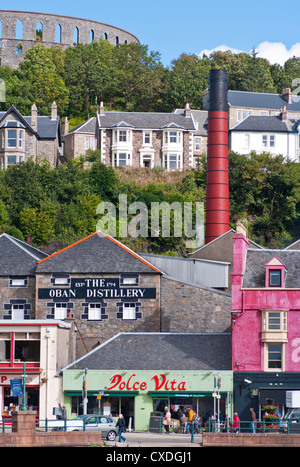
(121, 425)
(252, 420)
(167, 420)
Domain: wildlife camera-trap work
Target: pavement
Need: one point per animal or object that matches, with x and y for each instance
(147, 439)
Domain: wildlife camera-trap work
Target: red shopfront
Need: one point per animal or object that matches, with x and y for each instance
(19, 349)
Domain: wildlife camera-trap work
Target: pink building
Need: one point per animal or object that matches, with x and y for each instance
(265, 308)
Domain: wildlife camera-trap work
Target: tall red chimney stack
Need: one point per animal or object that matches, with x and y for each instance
(217, 178)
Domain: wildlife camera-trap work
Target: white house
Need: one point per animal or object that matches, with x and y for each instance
(274, 134)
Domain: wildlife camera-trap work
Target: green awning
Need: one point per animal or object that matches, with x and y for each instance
(184, 394)
(105, 394)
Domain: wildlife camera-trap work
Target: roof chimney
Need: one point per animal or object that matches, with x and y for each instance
(241, 229)
(283, 114)
(101, 110)
(54, 111)
(65, 126)
(187, 110)
(287, 95)
(34, 114)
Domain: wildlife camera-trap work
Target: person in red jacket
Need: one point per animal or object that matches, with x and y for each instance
(236, 423)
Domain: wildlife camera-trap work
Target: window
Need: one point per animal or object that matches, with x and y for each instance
(274, 356)
(20, 139)
(173, 136)
(11, 160)
(274, 278)
(129, 311)
(129, 280)
(122, 136)
(242, 114)
(246, 142)
(94, 311)
(61, 280)
(120, 159)
(17, 312)
(11, 138)
(60, 310)
(172, 161)
(268, 141)
(3, 140)
(17, 281)
(147, 137)
(198, 144)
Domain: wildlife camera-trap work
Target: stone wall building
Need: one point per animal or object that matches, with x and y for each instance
(23, 137)
(104, 288)
(21, 30)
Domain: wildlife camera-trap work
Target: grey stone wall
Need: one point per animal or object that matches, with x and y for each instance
(188, 308)
(17, 295)
(91, 332)
(9, 41)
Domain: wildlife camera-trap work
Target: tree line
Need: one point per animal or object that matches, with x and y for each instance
(60, 205)
(129, 77)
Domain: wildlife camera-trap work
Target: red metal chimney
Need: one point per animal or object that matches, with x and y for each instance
(217, 179)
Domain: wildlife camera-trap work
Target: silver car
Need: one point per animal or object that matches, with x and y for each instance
(102, 423)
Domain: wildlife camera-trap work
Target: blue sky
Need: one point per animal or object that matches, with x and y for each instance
(172, 27)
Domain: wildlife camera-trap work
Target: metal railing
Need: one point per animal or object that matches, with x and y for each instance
(228, 426)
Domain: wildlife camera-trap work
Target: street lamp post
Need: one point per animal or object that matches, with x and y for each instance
(24, 408)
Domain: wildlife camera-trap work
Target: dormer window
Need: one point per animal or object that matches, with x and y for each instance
(275, 273)
(274, 278)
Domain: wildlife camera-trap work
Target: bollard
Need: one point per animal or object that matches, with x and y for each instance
(193, 430)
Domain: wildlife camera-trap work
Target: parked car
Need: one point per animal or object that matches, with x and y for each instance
(102, 423)
(291, 420)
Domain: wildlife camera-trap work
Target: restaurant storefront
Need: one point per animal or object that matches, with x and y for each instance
(137, 394)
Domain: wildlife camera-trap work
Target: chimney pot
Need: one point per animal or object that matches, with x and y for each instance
(54, 111)
(34, 115)
(101, 111)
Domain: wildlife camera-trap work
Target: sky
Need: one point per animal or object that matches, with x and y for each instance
(173, 27)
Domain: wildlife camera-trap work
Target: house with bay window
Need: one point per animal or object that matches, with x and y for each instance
(265, 309)
(147, 139)
(23, 137)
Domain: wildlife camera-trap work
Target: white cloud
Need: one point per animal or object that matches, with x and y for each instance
(274, 52)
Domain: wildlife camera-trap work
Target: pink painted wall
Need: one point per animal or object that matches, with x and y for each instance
(247, 348)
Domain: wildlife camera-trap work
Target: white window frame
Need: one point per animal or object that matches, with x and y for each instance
(167, 161)
(147, 138)
(10, 138)
(17, 311)
(198, 143)
(129, 311)
(60, 310)
(94, 311)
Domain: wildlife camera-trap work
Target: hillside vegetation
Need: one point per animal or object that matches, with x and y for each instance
(60, 206)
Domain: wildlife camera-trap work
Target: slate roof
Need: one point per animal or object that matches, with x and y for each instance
(265, 123)
(18, 258)
(145, 120)
(255, 267)
(160, 351)
(86, 127)
(200, 118)
(46, 128)
(97, 253)
(260, 100)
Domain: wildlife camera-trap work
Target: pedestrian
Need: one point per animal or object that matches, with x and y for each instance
(252, 420)
(121, 425)
(190, 418)
(167, 420)
(183, 423)
(64, 412)
(236, 423)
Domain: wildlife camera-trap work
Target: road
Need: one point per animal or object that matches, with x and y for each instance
(147, 439)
